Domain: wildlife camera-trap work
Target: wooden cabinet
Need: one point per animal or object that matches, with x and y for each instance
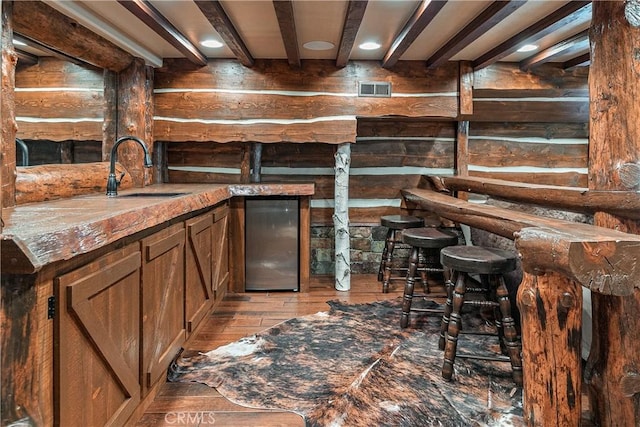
(97, 341)
(220, 251)
(198, 270)
(162, 301)
(123, 317)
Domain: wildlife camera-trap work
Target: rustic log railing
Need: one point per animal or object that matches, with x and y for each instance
(559, 257)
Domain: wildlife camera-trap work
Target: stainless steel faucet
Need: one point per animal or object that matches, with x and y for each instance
(112, 181)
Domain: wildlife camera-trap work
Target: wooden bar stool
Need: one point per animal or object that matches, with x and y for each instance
(394, 223)
(490, 264)
(428, 241)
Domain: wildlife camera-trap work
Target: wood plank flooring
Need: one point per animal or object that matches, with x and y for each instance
(238, 315)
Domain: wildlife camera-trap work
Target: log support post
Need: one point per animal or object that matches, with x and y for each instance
(551, 310)
(135, 118)
(341, 218)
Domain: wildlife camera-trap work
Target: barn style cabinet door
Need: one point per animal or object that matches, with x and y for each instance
(97, 341)
(198, 270)
(220, 251)
(162, 301)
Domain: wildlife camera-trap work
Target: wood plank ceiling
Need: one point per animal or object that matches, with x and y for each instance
(481, 32)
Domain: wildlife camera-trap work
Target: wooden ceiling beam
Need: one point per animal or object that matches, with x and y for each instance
(572, 44)
(489, 18)
(352, 22)
(574, 11)
(215, 14)
(57, 32)
(287, 23)
(144, 11)
(583, 59)
(48, 50)
(423, 15)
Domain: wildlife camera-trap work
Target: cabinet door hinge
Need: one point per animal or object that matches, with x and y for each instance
(51, 307)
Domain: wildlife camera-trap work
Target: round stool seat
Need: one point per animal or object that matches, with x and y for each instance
(478, 259)
(428, 237)
(401, 222)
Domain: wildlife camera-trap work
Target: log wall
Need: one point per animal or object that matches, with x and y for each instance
(59, 111)
(530, 127)
(226, 102)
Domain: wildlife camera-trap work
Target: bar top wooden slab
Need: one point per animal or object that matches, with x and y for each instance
(38, 234)
(604, 260)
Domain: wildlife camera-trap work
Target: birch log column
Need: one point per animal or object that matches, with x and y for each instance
(614, 145)
(341, 217)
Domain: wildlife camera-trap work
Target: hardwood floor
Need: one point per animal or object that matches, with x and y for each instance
(238, 315)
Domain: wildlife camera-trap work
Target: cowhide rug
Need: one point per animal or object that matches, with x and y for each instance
(354, 366)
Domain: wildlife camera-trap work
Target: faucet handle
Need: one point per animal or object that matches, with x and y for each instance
(118, 181)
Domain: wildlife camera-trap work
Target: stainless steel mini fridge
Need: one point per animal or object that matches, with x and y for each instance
(272, 243)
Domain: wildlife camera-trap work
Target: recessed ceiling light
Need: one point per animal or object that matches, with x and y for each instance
(318, 45)
(18, 43)
(369, 46)
(528, 48)
(211, 43)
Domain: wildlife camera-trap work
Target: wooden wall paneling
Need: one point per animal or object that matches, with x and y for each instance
(532, 151)
(312, 155)
(551, 94)
(404, 127)
(423, 151)
(7, 109)
(59, 101)
(330, 132)
(547, 131)
(316, 103)
(614, 142)
(532, 110)
(195, 177)
(491, 152)
(548, 80)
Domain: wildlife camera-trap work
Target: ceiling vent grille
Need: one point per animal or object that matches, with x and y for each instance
(378, 89)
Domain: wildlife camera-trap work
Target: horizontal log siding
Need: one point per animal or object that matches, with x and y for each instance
(530, 127)
(390, 155)
(59, 101)
(226, 102)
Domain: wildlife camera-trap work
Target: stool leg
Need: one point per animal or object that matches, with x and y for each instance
(448, 308)
(455, 325)
(384, 256)
(408, 287)
(423, 264)
(510, 335)
(391, 243)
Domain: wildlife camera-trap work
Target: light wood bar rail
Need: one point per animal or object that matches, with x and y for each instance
(558, 258)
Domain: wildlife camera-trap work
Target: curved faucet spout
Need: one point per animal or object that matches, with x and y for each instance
(112, 181)
(25, 151)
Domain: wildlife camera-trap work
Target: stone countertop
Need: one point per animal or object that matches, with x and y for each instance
(38, 234)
